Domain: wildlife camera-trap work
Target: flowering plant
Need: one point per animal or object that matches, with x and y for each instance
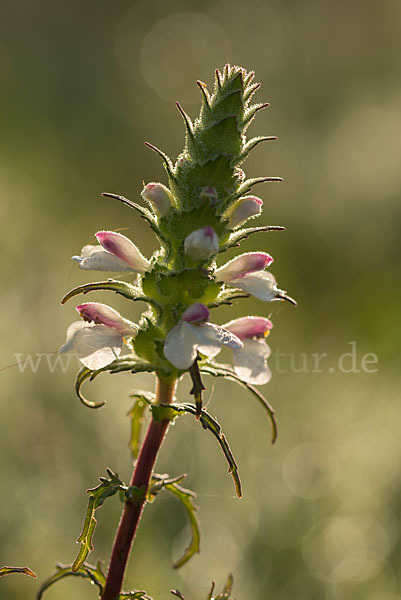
(201, 214)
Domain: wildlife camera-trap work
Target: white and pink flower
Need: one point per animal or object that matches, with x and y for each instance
(194, 333)
(247, 272)
(201, 244)
(250, 360)
(245, 208)
(98, 339)
(115, 253)
(159, 197)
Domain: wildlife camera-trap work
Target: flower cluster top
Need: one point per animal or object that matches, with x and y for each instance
(199, 216)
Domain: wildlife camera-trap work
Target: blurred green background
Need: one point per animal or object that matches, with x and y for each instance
(84, 84)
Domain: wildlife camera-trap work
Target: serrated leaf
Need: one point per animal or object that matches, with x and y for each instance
(219, 370)
(97, 495)
(22, 570)
(95, 576)
(208, 422)
(143, 399)
(124, 363)
(186, 498)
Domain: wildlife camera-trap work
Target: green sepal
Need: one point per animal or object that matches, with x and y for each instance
(186, 497)
(250, 145)
(208, 422)
(22, 570)
(97, 495)
(125, 363)
(220, 370)
(143, 399)
(127, 290)
(94, 575)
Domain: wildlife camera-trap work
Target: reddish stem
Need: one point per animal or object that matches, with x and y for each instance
(133, 508)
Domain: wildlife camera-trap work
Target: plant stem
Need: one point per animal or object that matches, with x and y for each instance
(141, 476)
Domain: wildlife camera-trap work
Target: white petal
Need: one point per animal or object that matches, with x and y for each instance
(262, 285)
(95, 345)
(250, 362)
(180, 347)
(96, 258)
(212, 337)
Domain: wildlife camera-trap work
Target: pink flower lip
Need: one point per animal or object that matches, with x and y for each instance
(208, 231)
(255, 199)
(251, 263)
(101, 314)
(110, 243)
(196, 313)
(249, 327)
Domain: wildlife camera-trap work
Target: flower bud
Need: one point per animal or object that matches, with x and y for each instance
(159, 196)
(201, 244)
(244, 209)
(209, 193)
(196, 313)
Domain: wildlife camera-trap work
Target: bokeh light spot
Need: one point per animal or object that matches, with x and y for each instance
(310, 470)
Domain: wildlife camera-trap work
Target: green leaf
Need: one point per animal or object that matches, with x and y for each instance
(119, 287)
(219, 370)
(94, 575)
(124, 363)
(143, 399)
(186, 498)
(23, 570)
(208, 422)
(82, 376)
(97, 495)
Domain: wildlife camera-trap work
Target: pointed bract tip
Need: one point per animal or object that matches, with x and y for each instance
(283, 296)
